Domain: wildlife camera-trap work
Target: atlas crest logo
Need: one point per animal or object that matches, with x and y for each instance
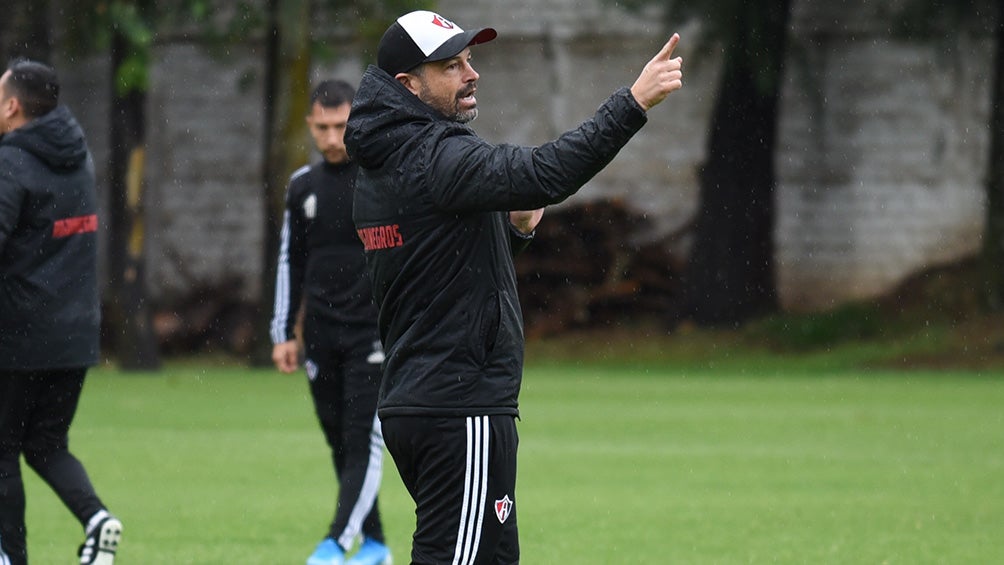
(503, 508)
(441, 22)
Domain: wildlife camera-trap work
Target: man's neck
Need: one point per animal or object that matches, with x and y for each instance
(16, 122)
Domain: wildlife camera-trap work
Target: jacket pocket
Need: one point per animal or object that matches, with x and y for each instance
(490, 317)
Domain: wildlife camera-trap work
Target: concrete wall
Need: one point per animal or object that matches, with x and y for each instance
(882, 149)
(883, 152)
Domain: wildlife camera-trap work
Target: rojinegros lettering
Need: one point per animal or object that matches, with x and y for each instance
(380, 237)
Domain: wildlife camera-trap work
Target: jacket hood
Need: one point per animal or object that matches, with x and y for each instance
(56, 138)
(384, 116)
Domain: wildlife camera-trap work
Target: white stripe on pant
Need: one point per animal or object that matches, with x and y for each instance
(371, 485)
(4, 558)
(475, 490)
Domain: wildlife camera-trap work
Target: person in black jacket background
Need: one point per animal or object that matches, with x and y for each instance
(321, 262)
(441, 213)
(49, 307)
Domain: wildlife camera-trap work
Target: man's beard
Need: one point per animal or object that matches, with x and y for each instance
(466, 116)
(450, 107)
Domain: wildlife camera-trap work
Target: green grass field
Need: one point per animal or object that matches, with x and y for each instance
(642, 464)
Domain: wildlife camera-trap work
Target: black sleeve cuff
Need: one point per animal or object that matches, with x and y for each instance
(518, 240)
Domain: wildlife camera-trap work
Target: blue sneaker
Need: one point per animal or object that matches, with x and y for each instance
(371, 552)
(328, 552)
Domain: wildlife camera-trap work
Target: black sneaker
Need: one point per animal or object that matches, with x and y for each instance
(102, 542)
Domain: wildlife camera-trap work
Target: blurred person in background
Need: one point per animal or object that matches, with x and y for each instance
(49, 306)
(321, 264)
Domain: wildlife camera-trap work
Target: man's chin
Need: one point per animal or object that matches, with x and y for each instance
(466, 116)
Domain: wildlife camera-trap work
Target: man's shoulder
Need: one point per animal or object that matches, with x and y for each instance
(298, 182)
(299, 175)
(10, 150)
(13, 160)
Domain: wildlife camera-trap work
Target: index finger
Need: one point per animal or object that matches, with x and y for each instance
(667, 50)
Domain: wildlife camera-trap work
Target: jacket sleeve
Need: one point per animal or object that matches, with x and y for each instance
(289, 272)
(465, 173)
(11, 198)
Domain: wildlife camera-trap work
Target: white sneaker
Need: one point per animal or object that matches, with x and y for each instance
(102, 542)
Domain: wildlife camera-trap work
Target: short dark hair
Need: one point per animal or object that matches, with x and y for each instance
(35, 85)
(332, 93)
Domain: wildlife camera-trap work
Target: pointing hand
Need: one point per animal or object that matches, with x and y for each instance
(662, 75)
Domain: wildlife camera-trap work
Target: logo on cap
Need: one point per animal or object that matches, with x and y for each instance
(442, 22)
(422, 37)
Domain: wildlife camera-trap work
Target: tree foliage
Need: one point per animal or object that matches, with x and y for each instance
(95, 24)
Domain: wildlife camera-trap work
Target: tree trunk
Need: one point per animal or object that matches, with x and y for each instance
(730, 275)
(287, 88)
(993, 237)
(128, 308)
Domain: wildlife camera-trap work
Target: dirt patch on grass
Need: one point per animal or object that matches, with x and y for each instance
(976, 343)
(932, 321)
(948, 299)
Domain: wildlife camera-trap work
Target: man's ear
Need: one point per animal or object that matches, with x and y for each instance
(10, 107)
(409, 81)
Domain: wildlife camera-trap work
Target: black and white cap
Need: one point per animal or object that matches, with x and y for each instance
(420, 37)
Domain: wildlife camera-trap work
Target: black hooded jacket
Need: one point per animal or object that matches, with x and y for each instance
(49, 309)
(431, 208)
(320, 256)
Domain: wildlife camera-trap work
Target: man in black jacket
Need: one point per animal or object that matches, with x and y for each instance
(430, 209)
(321, 262)
(49, 310)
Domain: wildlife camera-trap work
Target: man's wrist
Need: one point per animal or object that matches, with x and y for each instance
(520, 232)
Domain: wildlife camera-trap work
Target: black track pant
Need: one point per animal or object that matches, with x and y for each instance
(36, 410)
(343, 369)
(461, 472)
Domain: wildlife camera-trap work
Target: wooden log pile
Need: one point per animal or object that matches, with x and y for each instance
(208, 317)
(590, 267)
